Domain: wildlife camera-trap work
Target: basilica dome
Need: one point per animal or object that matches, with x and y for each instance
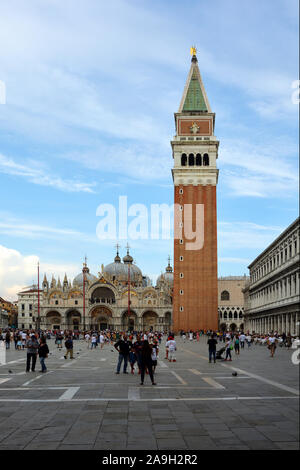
(119, 271)
(168, 276)
(78, 280)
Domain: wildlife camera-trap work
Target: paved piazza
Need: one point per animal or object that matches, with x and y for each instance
(82, 404)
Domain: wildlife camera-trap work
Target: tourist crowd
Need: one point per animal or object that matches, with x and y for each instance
(141, 348)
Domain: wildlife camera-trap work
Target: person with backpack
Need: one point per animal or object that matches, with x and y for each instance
(43, 352)
(69, 347)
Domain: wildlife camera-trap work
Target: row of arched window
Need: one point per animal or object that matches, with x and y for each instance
(234, 315)
(193, 160)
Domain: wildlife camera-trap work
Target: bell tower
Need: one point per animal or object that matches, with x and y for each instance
(195, 177)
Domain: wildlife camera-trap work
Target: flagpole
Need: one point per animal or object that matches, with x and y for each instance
(38, 295)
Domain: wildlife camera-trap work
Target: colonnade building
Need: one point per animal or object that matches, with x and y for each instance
(272, 294)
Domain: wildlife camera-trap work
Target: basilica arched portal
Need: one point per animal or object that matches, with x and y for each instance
(129, 321)
(73, 320)
(101, 318)
(53, 320)
(150, 321)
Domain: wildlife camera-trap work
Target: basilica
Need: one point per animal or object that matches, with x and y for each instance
(121, 297)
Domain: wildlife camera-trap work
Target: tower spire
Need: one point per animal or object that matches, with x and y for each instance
(194, 96)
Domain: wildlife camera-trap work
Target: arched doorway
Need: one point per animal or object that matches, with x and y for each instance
(168, 320)
(233, 327)
(223, 326)
(101, 318)
(150, 320)
(53, 320)
(129, 321)
(73, 319)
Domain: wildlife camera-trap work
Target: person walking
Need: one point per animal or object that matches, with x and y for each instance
(69, 348)
(132, 358)
(19, 343)
(7, 340)
(146, 362)
(137, 345)
(212, 345)
(123, 347)
(59, 340)
(171, 344)
(16, 337)
(87, 340)
(154, 355)
(228, 348)
(43, 352)
(101, 340)
(272, 344)
(242, 340)
(32, 346)
(94, 341)
(237, 345)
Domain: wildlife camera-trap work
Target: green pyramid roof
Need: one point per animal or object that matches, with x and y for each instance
(194, 100)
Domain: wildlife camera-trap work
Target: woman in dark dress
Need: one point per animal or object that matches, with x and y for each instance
(146, 362)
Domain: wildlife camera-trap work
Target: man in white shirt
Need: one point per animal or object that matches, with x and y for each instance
(87, 340)
(94, 341)
(242, 338)
(101, 339)
(171, 345)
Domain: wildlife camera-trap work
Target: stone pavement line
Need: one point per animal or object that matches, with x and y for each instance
(69, 393)
(75, 400)
(13, 362)
(32, 380)
(133, 393)
(74, 361)
(162, 364)
(195, 371)
(183, 382)
(4, 380)
(262, 379)
(195, 354)
(213, 383)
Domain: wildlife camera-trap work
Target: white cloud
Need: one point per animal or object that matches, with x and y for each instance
(25, 229)
(18, 271)
(37, 175)
(228, 259)
(246, 235)
(259, 169)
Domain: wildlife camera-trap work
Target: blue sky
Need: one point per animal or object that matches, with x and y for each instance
(91, 88)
